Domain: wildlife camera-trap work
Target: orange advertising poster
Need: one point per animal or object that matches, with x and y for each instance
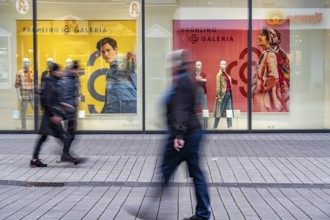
(76, 40)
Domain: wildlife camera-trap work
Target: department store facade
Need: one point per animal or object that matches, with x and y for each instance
(214, 30)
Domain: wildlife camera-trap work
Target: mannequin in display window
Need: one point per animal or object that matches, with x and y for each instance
(68, 66)
(68, 63)
(24, 88)
(46, 73)
(201, 94)
(223, 100)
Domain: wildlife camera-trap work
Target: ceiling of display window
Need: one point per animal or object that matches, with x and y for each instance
(8, 2)
(194, 3)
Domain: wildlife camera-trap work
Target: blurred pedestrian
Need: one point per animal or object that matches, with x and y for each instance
(53, 113)
(185, 133)
(59, 100)
(70, 85)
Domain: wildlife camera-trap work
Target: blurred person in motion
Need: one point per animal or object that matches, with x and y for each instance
(53, 113)
(185, 133)
(51, 98)
(70, 87)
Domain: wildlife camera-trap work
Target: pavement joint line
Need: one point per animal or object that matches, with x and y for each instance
(159, 184)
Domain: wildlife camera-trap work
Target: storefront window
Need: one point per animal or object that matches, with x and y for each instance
(290, 75)
(16, 70)
(105, 37)
(217, 33)
(291, 72)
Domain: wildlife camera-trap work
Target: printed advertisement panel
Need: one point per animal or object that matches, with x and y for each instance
(64, 40)
(213, 41)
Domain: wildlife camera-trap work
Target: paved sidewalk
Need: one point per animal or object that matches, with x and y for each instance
(251, 176)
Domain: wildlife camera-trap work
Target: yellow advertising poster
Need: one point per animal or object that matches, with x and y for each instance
(77, 40)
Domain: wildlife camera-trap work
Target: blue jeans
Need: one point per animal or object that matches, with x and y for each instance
(225, 105)
(126, 106)
(201, 98)
(24, 105)
(190, 154)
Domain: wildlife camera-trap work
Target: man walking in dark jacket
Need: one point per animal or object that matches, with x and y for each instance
(53, 113)
(185, 133)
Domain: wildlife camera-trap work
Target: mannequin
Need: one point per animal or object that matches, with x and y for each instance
(24, 88)
(202, 92)
(68, 63)
(45, 74)
(223, 100)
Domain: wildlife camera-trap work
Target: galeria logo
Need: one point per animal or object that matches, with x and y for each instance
(193, 39)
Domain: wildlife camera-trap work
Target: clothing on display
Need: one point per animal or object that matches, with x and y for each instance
(224, 98)
(24, 85)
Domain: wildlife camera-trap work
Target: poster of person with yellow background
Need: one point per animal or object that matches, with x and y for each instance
(77, 40)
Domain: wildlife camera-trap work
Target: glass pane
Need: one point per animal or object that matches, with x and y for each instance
(291, 47)
(105, 37)
(215, 31)
(16, 69)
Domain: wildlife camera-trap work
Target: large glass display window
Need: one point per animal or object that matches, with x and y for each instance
(217, 34)
(291, 70)
(290, 77)
(16, 69)
(105, 37)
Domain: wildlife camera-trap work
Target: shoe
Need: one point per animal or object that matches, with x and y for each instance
(195, 217)
(68, 158)
(75, 161)
(37, 163)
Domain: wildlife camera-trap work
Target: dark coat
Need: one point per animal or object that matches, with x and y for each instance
(180, 106)
(69, 89)
(50, 99)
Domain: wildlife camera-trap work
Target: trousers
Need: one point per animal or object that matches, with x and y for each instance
(190, 154)
(225, 105)
(126, 106)
(24, 105)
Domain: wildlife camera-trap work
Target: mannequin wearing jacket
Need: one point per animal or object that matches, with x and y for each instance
(45, 74)
(24, 87)
(201, 93)
(223, 100)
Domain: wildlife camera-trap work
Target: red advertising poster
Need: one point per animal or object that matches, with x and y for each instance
(215, 40)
